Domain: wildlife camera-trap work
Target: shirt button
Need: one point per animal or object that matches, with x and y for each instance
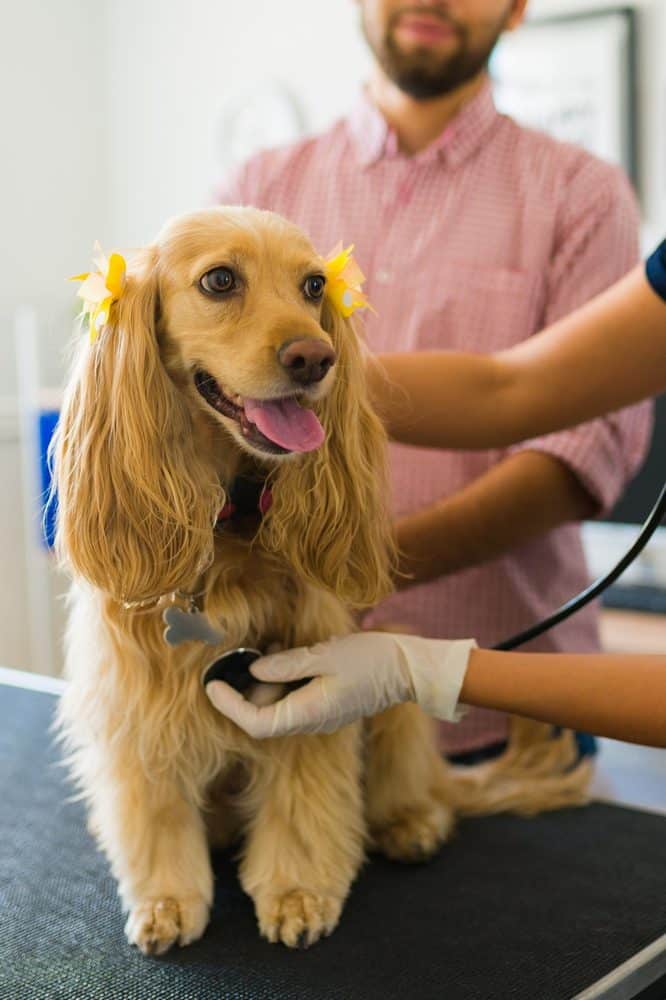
(383, 277)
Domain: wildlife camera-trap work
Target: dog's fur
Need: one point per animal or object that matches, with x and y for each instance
(142, 462)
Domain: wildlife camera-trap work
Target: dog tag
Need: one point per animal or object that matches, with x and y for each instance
(189, 626)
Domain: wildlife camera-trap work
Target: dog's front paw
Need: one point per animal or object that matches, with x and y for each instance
(297, 918)
(415, 834)
(153, 925)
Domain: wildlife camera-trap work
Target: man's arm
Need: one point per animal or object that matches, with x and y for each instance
(522, 497)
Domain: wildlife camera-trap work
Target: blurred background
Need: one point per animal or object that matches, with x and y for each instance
(117, 114)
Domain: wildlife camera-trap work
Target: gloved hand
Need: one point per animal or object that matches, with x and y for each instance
(355, 676)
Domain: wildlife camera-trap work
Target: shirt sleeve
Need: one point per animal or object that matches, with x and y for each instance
(655, 270)
(596, 245)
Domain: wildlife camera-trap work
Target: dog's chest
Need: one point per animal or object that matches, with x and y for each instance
(258, 600)
(249, 596)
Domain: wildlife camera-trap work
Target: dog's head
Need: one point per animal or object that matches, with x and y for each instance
(223, 342)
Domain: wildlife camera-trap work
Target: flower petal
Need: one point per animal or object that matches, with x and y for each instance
(344, 280)
(93, 288)
(115, 276)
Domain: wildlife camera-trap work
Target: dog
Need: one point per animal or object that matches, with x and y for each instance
(224, 361)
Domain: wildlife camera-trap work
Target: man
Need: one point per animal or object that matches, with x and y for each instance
(474, 233)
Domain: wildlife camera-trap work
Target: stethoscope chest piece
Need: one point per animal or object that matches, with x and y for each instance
(233, 667)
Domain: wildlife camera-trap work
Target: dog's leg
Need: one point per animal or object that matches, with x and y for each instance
(408, 818)
(156, 843)
(305, 841)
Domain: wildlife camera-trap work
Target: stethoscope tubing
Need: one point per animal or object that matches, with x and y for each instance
(651, 524)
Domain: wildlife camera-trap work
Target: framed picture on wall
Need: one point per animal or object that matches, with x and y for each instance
(573, 76)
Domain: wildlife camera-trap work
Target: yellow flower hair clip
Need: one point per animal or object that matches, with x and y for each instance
(101, 288)
(344, 279)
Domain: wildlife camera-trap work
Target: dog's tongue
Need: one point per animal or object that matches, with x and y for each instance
(285, 423)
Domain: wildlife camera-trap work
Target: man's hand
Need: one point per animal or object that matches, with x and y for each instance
(356, 676)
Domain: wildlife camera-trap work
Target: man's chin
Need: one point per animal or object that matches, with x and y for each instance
(422, 87)
(423, 83)
(423, 73)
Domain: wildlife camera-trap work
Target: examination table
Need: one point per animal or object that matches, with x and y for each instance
(569, 904)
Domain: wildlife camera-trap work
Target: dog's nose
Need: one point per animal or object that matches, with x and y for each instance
(306, 360)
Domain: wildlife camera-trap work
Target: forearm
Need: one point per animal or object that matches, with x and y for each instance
(608, 354)
(619, 696)
(526, 495)
(444, 399)
(604, 356)
(623, 697)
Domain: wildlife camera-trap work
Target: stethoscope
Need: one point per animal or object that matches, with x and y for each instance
(234, 665)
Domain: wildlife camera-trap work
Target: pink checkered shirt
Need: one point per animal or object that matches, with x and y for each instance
(475, 243)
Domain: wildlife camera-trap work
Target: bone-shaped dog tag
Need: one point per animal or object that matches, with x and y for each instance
(188, 626)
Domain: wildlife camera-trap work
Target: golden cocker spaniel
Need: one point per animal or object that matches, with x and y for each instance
(223, 360)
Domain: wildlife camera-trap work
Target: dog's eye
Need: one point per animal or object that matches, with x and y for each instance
(219, 281)
(314, 286)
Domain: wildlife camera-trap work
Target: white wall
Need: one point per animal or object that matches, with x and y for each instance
(178, 68)
(52, 201)
(52, 169)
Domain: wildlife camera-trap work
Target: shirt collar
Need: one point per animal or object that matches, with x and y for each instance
(374, 140)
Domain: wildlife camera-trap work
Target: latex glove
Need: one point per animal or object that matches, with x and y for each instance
(355, 676)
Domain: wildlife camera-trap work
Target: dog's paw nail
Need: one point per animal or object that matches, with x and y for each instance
(298, 918)
(156, 924)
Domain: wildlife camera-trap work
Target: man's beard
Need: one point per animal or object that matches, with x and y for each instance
(423, 74)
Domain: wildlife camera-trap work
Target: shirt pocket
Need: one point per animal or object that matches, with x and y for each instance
(471, 307)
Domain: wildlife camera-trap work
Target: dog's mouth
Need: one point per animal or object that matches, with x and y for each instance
(277, 426)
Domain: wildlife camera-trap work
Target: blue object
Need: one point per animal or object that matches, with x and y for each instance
(587, 745)
(655, 270)
(47, 423)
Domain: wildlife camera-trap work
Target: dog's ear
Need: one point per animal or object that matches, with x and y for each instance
(136, 504)
(330, 507)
